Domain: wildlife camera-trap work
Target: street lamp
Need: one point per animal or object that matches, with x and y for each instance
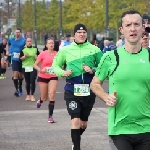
(35, 25)
(9, 4)
(60, 18)
(107, 18)
(0, 17)
(19, 20)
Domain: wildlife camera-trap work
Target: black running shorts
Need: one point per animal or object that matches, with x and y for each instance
(139, 141)
(79, 106)
(44, 80)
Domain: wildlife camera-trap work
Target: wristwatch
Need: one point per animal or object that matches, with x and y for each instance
(93, 70)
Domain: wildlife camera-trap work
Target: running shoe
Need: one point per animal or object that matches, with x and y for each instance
(16, 94)
(51, 120)
(20, 93)
(28, 98)
(32, 98)
(2, 76)
(38, 104)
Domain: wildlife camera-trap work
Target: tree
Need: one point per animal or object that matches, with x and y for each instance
(27, 16)
(53, 16)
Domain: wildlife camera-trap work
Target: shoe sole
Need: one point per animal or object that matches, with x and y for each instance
(51, 121)
(32, 100)
(27, 100)
(72, 147)
(37, 106)
(16, 95)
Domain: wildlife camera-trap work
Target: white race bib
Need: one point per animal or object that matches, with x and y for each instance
(28, 69)
(16, 55)
(49, 70)
(81, 89)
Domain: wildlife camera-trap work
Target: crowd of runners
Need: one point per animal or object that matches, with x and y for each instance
(85, 66)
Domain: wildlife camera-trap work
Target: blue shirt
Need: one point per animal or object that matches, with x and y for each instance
(110, 47)
(16, 45)
(66, 42)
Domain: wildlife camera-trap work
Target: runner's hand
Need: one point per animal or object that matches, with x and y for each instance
(112, 99)
(67, 73)
(7, 53)
(26, 54)
(87, 69)
(43, 70)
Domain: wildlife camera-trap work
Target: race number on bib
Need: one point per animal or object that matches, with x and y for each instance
(28, 69)
(49, 70)
(16, 55)
(81, 89)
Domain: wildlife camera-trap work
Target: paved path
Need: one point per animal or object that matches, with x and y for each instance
(24, 127)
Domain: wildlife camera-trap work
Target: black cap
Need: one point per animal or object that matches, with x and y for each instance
(145, 17)
(79, 27)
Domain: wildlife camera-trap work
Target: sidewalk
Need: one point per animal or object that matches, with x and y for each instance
(29, 130)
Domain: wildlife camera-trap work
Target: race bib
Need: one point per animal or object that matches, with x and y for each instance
(81, 89)
(28, 69)
(49, 70)
(16, 55)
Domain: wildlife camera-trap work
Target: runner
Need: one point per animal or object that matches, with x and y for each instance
(128, 70)
(46, 78)
(81, 58)
(14, 46)
(28, 56)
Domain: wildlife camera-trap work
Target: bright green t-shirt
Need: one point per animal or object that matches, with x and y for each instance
(29, 61)
(131, 81)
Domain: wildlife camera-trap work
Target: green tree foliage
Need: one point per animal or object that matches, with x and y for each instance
(27, 16)
(92, 13)
(119, 6)
(89, 13)
(53, 16)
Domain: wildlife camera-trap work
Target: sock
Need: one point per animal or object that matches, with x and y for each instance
(20, 84)
(81, 131)
(16, 83)
(51, 107)
(75, 135)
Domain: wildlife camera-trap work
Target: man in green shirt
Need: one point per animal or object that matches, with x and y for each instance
(128, 70)
(81, 58)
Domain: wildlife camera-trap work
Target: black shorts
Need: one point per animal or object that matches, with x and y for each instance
(46, 80)
(139, 141)
(17, 66)
(79, 106)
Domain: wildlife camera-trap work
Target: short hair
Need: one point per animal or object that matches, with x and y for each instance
(145, 34)
(51, 38)
(110, 39)
(19, 29)
(129, 12)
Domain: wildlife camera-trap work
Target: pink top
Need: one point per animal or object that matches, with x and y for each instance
(46, 60)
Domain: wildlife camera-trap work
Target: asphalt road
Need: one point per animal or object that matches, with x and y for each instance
(9, 102)
(24, 127)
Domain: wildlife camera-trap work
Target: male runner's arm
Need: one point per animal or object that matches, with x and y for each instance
(96, 87)
(7, 50)
(101, 74)
(58, 62)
